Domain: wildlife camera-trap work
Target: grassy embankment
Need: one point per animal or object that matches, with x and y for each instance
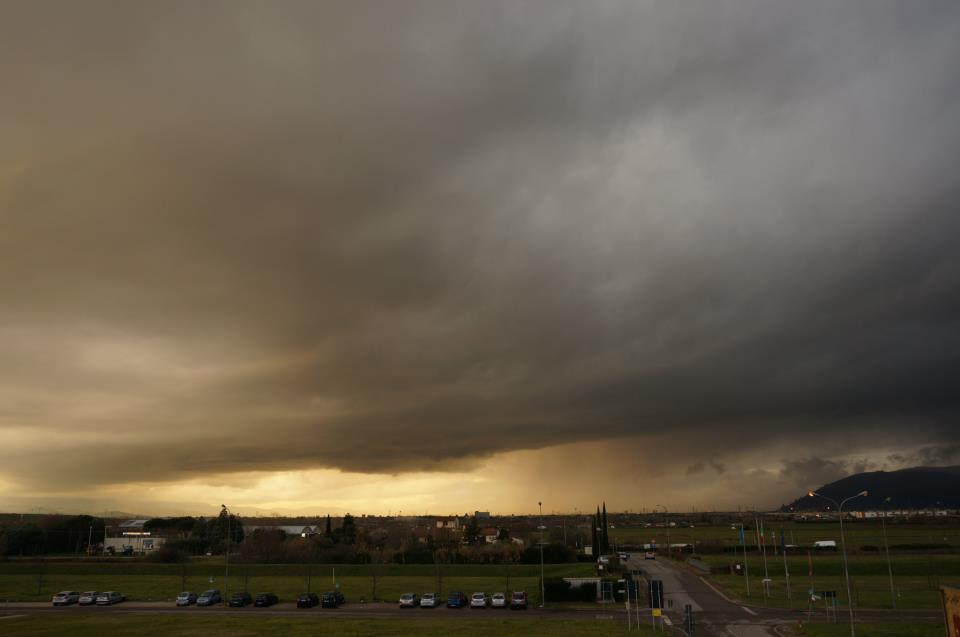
(233, 626)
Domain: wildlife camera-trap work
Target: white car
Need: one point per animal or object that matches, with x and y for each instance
(498, 600)
(65, 598)
(429, 600)
(649, 555)
(409, 600)
(479, 600)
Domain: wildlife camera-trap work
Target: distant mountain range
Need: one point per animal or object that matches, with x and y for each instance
(915, 488)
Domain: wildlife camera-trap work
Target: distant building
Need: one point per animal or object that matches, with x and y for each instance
(131, 538)
(296, 530)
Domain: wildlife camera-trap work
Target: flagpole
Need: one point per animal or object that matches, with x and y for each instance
(766, 572)
(786, 571)
(746, 568)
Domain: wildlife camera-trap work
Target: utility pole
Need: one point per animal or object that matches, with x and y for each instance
(226, 560)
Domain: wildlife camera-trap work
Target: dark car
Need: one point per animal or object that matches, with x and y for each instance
(332, 599)
(457, 600)
(307, 600)
(209, 598)
(109, 598)
(265, 599)
(239, 600)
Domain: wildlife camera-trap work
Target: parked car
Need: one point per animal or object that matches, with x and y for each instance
(88, 598)
(307, 600)
(518, 601)
(479, 600)
(498, 600)
(429, 600)
(186, 598)
(65, 598)
(623, 556)
(649, 555)
(109, 598)
(409, 600)
(240, 599)
(265, 599)
(456, 600)
(209, 598)
(332, 599)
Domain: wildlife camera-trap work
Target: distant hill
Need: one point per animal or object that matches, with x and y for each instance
(915, 488)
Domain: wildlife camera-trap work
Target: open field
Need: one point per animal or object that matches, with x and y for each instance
(163, 626)
(145, 581)
(916, 578)
(858, 533)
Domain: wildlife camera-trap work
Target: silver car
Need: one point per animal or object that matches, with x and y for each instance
(88, 598)
(65, 598)
(479, 600)
(429, 600)
(498, 600)
(186, 598)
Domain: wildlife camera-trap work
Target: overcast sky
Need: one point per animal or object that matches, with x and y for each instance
(374, 256)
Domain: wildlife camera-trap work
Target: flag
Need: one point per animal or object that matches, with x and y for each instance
(743, 537)
(783, 543)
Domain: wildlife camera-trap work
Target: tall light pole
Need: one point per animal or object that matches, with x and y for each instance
(666, 523)
(886, 548)
(543, 585)
(226, 559)
(843, 546)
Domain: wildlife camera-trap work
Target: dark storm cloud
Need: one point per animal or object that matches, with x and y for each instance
(400, 237)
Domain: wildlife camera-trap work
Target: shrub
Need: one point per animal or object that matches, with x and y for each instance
(168, 555)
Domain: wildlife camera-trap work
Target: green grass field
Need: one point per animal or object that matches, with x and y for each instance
(144, 581)
(872, 630)
(233, 626)
(858, 533)
(917, 578)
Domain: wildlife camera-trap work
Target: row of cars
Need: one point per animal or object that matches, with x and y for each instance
(88, 598)
(518, 600)
(330, 599)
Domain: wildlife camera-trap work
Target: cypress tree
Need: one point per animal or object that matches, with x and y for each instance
(593, 535)
(329, 530)
(606, 537)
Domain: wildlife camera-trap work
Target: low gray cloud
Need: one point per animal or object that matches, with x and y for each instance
(250, 237)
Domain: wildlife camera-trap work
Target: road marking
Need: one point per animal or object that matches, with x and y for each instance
(11, 616)
(752, 612)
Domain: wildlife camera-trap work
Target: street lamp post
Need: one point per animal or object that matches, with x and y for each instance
(226, 559)
(843, 546)
(543, 585)
(886, 548)
(666, 523)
